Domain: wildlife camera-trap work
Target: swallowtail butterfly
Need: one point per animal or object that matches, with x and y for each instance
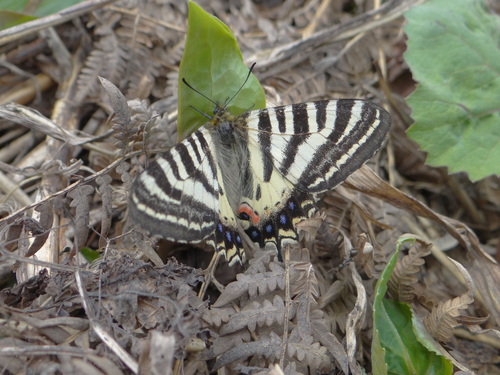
(256, 173)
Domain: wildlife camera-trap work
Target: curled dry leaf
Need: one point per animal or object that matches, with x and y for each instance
(443, 317)
(46, 218)
(403, 278)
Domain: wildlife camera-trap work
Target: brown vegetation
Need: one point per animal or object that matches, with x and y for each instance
(64, 182)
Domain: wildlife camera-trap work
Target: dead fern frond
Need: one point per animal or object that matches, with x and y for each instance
(151, 124)
(105, 191)
(257, 314)
(323, 334)
(81, 198)
(107, 59)
(289, 316)
(403, 278)
(252, 285)
(121, 115)
(305, 349)
(304, 292)
(266, 348)
(444, 317)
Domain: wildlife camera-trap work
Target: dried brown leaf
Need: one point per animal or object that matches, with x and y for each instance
(307, 351)
(158, 355)
(403, 278)
(22, 295)
(107, 59)
(322, 333)
(46, 218)
(267, 348)
(81, 202)
(257, 314)
(443, 317)
(253, 285)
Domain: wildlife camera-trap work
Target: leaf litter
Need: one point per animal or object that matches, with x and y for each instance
(67, 159)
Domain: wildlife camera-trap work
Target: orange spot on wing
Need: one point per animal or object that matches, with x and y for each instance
(245, 208)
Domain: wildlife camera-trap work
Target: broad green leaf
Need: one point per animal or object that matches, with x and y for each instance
(453, 53)
(212, 64)
(396, 348)
(15, 12)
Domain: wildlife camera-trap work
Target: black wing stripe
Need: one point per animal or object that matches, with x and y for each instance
(280, 117)
(321, 107)
(266, 129)
(301, 130)
(343, 112)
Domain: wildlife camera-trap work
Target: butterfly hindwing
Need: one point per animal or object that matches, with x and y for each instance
(270, 215)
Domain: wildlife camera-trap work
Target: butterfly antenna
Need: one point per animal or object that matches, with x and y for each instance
(237, 92)
(198, 92)
(201, 113)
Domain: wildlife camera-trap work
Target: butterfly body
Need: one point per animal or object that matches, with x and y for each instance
(256, 173)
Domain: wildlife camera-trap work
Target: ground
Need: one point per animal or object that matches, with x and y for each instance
(142, 305)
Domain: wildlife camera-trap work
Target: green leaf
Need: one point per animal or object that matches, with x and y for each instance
(397, 339)
(9, 19)
(89, 254)
(212, 64)
(453, 52)
(15, 12)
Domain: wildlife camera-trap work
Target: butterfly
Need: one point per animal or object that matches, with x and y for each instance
(257, 173)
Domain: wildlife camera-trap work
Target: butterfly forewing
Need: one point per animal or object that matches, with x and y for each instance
(317, 145)
(178, 196)
(255, 173)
